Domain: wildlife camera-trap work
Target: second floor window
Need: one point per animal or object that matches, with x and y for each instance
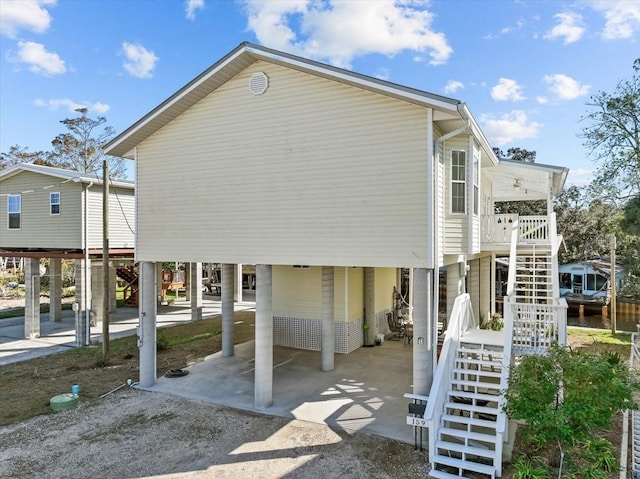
(14, 210)
(458, 182)
(54, 203)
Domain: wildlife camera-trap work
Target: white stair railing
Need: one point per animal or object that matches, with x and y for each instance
(460, 321)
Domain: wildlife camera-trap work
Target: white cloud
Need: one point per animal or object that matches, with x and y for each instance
(453, 86)
(70, 105)
(191, 6)
(139, 62)
(339, 30)
(509, 127)
(38, 58)
(383, 73)
(506, 30)
(507, 89)
(622, 18)
(569, 27)
(30, 15)
(565, 87)
(542, 100)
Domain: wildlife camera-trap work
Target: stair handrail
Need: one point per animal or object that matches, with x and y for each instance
(501, 420)
(460, 320)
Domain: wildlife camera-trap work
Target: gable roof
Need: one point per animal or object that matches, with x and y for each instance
(444, 108)
(66, 175)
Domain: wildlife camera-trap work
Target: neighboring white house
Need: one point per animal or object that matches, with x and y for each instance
(330, 182)
(589, 278)
(54, 213)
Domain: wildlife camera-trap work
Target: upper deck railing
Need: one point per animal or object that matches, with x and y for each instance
(496, 229)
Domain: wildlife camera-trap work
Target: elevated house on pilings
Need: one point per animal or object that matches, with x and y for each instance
(331, 182)
(57, 214)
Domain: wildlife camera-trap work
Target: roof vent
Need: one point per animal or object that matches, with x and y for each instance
(259, 83)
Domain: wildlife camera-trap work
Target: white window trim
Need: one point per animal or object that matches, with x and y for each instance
(19, 212)
(463, 182)
(51, 203)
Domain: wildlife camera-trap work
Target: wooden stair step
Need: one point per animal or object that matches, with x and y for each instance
(474, 395)
(480, 362)
(464, 465)
(478, 372)
(465, 435)
(461, 406)
(466, 449)
(465, 420)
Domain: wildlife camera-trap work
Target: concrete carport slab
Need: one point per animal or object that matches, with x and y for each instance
(363, 393)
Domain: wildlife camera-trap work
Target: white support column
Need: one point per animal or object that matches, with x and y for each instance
(55, 289)
(147, 323)
(187, 281)
(159, 278)
(97, 292)
(485, 287)
(370, 306)
(83, 298)
(423, 328)
(32, 298)
(227, 273)
(454, 285)
(328, 344)
(263, 338)
(237, 275)
(113, 287)
(195, 286)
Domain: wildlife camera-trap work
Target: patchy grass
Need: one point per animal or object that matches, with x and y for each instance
(28, 386)
(600, 340)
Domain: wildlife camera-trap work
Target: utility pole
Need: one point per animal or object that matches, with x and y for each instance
(612, 284)
(105, 257)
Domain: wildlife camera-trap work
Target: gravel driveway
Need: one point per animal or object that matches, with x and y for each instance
(133, 434)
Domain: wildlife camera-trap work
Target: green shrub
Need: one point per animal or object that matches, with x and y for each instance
(162, 341)
(566, 395)
(529, 468)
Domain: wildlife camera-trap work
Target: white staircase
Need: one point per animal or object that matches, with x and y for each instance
(467, 425)
(534, 274)
(467, 439)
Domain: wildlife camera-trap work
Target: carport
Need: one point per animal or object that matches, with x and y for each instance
(363, 393)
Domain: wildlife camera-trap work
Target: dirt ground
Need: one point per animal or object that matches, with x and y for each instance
(139, 434)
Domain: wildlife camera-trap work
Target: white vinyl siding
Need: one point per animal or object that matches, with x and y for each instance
(121, 217)
(14, 209)
(307, 173)
(54, 203)
(39, 228)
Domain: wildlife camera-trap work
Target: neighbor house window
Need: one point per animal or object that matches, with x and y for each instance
(54, 203)
(14, 209)
(458, 182)
(595, 282)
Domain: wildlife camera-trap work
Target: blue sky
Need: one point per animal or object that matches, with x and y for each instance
(526, 68)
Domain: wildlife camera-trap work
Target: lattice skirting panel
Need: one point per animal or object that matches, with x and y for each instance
(307, 334)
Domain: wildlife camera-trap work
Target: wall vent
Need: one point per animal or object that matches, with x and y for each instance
(258, 83)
